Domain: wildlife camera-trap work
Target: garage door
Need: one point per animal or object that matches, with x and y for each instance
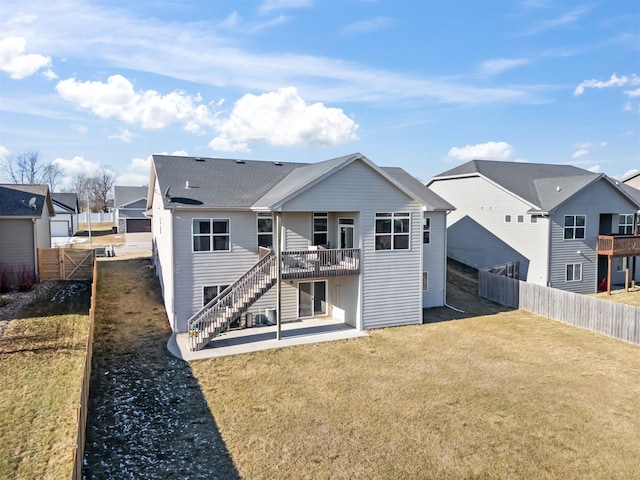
(138, 225)
(59, 228)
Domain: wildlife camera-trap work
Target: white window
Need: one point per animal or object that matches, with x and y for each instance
(265, 230)
(211, 292)
(507, 218)
(573, 272)
(320, 228)
(625, 224)
(426, 229)
(425, 281)
(210, 235)
(392, 231)
(620, 263)
(574, 226)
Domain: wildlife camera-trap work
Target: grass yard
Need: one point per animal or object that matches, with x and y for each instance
(509, 395)
(41, 362)
(632, 297)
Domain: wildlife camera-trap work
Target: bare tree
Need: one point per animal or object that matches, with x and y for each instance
(99, 187)
(52, 175)
(79, 187)
(25, 167)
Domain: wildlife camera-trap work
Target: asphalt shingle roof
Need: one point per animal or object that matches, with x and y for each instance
(243, 184)
(124, 195)
(68, 200)
(14, 200)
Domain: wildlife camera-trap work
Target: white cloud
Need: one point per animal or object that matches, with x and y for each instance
(628, 173)
(80, 128)
(581, 153)
(367, 26)
(16, 63)
(595, 169)
(633, 93)
(500, 65)
(117, 99)
(4, 154)
(283, 118)
(123, 134)
(483, 151)
(614, 81)
(271, 5)
(568, 18)
(137, 172)
(76, 166)
(584, 144)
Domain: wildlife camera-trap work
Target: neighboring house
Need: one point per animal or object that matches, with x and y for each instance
(360, 243)
(129, 205)
(567, 227)
(633, 180)
(24, 226)
(66, 207)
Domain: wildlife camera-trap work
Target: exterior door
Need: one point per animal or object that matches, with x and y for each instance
(312, 299)
(346, 232)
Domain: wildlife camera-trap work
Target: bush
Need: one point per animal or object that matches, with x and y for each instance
(26, 278)
(6, 277)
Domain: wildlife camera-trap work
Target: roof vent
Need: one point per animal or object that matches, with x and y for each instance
(279, 164)
(240, 161)
(199, 159)
(558, 188)
(186, 184)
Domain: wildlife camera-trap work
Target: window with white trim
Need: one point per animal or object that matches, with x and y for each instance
(574, 226)
(426, 229)
(507, 219)
(573, 272)
(534, 219)
(211, 234)
(320, 228)
(620, 263)
(625, 224)
(392, 231)
(211, 292)
(265, 230)
(520, 218)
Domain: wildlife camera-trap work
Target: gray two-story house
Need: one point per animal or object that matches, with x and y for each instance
(342, 238)
(567, 227)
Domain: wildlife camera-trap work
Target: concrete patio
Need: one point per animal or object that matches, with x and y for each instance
(235, 342)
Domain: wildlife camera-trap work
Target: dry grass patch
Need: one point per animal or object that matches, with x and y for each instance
(510, 395)
(632, 297)
(41, 366)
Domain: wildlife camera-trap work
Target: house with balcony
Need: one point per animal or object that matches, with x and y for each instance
(567, 228)
(242, 242)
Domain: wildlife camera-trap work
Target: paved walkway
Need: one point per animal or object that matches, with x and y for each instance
(254, 339)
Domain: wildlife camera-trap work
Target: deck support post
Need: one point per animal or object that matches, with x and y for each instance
(609, 274)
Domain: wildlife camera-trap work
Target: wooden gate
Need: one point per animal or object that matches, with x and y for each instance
(65, 264)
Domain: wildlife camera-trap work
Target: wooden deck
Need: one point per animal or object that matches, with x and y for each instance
(619, 245)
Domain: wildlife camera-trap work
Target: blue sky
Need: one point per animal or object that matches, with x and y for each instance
(424, 85)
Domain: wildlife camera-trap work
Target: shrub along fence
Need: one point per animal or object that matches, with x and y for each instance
(83, 406)
(610, 318)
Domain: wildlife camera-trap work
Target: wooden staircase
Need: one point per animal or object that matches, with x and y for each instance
(216, 316)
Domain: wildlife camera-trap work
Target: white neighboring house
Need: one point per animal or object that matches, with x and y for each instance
(362, 244)
(569, 228)
(633, 180)
(129, 205)
(65, 222)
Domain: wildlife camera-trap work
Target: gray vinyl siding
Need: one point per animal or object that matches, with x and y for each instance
(298, 230)
(43, 229)
(591, 202)
(434, 261)
(17, 242)
(391, 281)
(477, 234)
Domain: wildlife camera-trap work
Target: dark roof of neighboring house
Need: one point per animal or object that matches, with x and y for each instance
(240, 184)
(66, 200)
(17, 200)
(544, 186)
(124, 195)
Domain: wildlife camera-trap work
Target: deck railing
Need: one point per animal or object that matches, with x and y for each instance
(619, 245)
(320, 263)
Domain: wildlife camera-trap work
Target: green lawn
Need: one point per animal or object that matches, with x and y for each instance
(510, 395)
(41, 365)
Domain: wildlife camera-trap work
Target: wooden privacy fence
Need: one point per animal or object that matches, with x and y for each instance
(65, 264)
(604, 316)
(83, 406)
